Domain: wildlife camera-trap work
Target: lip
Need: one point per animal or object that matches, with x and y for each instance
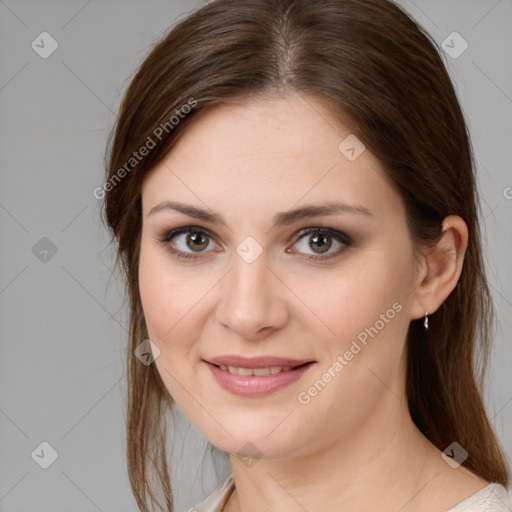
(258, 385)
(256, 362)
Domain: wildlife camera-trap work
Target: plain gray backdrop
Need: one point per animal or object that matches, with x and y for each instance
(63, 327)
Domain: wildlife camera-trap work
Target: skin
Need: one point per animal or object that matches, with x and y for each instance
(354, 444)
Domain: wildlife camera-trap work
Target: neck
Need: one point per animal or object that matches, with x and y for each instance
(348, 473)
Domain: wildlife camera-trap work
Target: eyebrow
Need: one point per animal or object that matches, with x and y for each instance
(280, 219)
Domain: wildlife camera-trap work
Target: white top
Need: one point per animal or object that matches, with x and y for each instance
(492, 498)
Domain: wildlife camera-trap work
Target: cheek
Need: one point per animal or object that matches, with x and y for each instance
(361, 364)
(163, 297)
(362, 326)
(164, 304)
(152, 294)
(174, 306)
(365, 292)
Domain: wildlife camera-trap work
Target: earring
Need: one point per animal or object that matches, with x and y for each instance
(425, 322)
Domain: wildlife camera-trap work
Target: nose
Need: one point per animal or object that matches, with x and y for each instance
(253, 302)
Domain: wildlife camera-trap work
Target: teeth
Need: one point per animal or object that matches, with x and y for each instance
(272, 370)
(261, 371)
(241, 371)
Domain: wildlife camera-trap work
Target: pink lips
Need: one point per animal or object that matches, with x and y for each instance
(256, 385)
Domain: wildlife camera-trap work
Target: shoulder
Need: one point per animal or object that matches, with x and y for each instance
(492, 498)
(216, 500)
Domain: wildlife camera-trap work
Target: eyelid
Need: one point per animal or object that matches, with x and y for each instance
(335, 233)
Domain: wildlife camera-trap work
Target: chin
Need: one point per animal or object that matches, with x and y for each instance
(254, 442)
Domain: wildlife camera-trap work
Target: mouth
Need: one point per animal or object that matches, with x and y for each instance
(259, 371)
(257, 380)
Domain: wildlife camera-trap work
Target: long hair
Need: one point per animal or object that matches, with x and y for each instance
(375, 66)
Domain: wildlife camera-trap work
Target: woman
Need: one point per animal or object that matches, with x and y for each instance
(291, 189)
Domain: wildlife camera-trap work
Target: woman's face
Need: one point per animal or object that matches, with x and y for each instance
(257, 273)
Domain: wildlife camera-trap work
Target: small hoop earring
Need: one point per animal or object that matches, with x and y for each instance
(425, 322)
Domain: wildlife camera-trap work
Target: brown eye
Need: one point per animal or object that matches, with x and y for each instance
(316, 242)
(196, 241)
(320, 243)
(184, 242)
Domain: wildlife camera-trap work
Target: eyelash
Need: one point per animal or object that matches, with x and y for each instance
(342, 238)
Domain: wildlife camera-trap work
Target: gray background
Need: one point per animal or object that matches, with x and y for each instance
(63, 327)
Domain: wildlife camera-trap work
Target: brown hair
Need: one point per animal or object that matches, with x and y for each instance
(371, 64)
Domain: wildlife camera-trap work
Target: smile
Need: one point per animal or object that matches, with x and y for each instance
(271, 370)
(256, 382)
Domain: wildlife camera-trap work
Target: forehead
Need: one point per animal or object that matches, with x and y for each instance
(268, 153)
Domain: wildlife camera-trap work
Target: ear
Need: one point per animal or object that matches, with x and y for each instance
(441, 268)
